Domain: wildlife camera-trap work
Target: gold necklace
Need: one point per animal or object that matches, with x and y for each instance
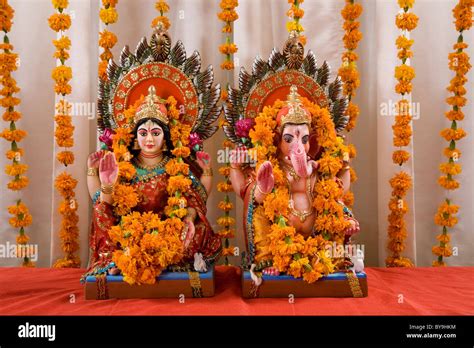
(142, 165)
(291, 171)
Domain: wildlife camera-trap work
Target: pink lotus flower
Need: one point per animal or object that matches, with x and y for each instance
(194, 139)
(243, 127)
(106, 137)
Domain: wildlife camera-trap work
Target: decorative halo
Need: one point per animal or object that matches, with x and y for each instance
(168, 81)
(277, 86)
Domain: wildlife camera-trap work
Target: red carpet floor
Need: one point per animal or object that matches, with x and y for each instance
(425, 291)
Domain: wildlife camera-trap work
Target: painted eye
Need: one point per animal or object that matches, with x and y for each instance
(305, 139)
(155, 134)
(288, 138)
(142, 134)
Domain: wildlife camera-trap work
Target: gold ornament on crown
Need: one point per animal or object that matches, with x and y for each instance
(150, 108)
(296, 113)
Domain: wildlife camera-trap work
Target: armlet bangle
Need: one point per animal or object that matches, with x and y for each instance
(92, 172)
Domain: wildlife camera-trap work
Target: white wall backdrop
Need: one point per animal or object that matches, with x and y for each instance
(260, 28)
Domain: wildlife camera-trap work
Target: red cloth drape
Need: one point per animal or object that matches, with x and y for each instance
(425, 291)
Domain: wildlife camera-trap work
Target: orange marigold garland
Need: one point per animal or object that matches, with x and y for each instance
(64, 183)
(350, 75)
(459, 62)
(290, 251)
(228, 15)
(107, 40)
(161, 20)
(21, 217)
(402, 130)
(295, 13)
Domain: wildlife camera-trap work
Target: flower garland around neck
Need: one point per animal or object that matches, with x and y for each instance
(291, 252)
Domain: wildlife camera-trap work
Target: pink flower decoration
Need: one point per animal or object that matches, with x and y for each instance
(243, 127)
(194, 139)
(106, 137)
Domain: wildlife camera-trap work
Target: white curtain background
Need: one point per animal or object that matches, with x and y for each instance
(260, 28)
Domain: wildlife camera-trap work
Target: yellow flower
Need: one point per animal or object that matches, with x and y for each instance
(294, 26)
(111, 3)
(406, 3)
(404, 73)
(60, 4)
(107, 39)
(162, 6)
(108, 15)
(62, 74)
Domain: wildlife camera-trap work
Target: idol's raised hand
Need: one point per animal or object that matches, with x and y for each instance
(108, 169)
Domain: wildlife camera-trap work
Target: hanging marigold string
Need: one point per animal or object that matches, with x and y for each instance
(228, 15)
(350, 75)
(107, 40)
(161, 21)
(9, 62)
(402, 130)
(64, 183)
(294, 26)
(459, 62)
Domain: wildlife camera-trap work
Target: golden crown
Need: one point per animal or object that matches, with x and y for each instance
(296, 114)
(152, 107)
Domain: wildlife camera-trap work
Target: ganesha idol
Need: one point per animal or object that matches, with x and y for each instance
(287, 117)
(150, 181)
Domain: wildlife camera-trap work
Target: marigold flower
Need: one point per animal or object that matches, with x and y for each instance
(406, 21)
(65, 157)
(59, 22)
(60, 4)
(107, 39)
(108, 15)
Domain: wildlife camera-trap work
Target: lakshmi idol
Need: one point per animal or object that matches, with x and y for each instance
(148, 81)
